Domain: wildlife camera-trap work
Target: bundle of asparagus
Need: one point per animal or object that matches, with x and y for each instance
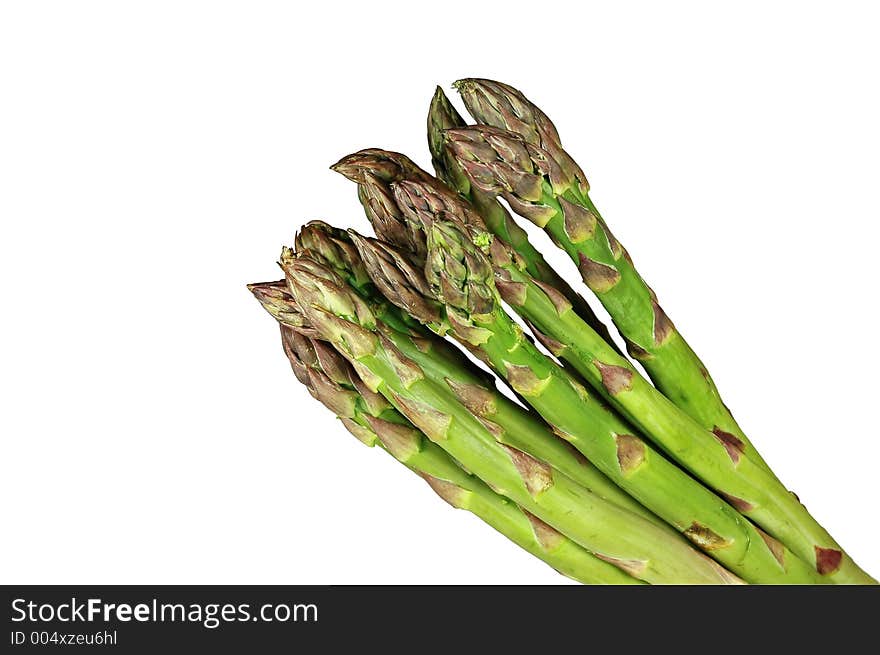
(607, 476)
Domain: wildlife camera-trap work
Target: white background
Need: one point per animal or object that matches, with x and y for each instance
(155, 156)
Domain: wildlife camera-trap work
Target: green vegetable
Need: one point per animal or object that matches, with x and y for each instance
(510, 423)
(462, 278)
(371, 419)
(566, 211)
(641, 548)
(550, 191)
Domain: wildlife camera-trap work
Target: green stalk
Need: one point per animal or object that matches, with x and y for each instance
(462, 276)
(721, 460)
(563, 209)
(511, 424)
(639, 547)
(373, 421)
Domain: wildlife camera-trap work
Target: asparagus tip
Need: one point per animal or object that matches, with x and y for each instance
(346, 167)
(264, 290)
(361, 243)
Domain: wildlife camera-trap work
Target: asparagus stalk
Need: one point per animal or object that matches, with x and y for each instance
(371, 419)
(569, 338)
(510, 423)
(443, 116)
(474, 317)
(374, 170)
(568, 214)
(645, 406)
(639, 547)
(721, 460)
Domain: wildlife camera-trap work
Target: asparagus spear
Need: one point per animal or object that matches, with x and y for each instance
(645, 406)
(721, 460)
(371, 419)
(374, 170)
(443, 116)
(639, 547)
(569, 338)
(423, 200)
(443, 363)
(652, 339)
(461, 277)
